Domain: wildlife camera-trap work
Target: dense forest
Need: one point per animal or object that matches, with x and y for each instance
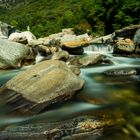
(97, 17)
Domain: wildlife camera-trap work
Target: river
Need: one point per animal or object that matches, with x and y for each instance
(100, 92)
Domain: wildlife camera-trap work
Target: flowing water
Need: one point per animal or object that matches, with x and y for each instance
(110, 93)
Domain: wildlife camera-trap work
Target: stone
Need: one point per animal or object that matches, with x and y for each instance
(103, 39)
(91, 59)
(60, 55)
(121, 72)
(124, 47)
(12, 54)
(127, 32)
(81, 127)
(23, 37)
(5, 30)
(44, 84)
(74, 44)
(85, 60)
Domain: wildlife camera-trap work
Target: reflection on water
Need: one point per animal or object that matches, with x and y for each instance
(99, 92)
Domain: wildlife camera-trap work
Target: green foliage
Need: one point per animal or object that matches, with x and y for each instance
(45, 17)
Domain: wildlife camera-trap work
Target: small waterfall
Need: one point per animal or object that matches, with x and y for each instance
(102, 48)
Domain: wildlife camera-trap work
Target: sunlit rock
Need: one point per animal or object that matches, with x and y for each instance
(23, 37)
(124, 47)
(44, 84)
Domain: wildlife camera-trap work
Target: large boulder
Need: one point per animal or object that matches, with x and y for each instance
(124, 47)
(44, 84)
(5, 30)
(127, 32)
(23, 37)
(12, 54)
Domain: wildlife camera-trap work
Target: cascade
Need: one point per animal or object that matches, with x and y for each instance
(102, 48)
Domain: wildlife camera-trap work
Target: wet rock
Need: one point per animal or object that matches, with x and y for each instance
(107, 61)
(84, 127)
(121, 72)
(127, 32)
(23, 37)
(44, 84)
(12, 54)
(124, 47)
(90, 59)
(61, 55)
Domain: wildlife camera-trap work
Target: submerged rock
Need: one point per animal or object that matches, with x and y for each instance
(84, 127)
(121, 72)
(124, 47)
(44, 84)
(12, 54)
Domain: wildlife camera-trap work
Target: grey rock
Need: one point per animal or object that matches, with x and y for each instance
(12, 54)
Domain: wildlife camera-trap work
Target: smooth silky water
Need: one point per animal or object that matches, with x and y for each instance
(107, 93)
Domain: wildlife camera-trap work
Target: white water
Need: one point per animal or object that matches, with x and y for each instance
(100, 48)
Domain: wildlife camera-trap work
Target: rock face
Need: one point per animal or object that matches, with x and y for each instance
(124, 47)
(46, 83)
(23, 37)
(12, 54)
